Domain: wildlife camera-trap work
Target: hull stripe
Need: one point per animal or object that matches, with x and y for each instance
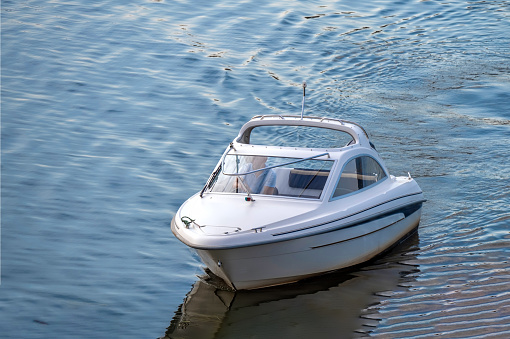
(407, 210)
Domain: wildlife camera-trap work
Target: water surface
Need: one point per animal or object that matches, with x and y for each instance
(114, 113)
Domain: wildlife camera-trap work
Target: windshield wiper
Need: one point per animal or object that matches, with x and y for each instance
(209, 182)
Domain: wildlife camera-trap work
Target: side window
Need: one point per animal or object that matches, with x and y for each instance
(359, 173)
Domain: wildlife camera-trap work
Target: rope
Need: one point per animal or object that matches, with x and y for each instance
(188, 221)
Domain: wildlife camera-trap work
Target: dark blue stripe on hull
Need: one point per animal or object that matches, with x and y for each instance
(407, 210)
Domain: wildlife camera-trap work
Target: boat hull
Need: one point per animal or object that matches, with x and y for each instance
(282, 262)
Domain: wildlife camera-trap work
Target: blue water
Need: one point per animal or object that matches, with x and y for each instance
(114, 113)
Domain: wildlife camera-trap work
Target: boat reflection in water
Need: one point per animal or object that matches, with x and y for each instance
(342, 304)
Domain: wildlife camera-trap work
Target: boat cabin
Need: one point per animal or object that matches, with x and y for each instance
(289, 156)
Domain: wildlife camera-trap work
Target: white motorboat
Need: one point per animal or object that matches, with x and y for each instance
(277, 213)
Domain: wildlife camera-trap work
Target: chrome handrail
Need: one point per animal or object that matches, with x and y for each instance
(269, 167)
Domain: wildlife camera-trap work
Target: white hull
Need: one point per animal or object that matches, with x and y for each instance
(292, 260)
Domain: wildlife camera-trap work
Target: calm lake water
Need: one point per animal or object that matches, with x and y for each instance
(114, 113)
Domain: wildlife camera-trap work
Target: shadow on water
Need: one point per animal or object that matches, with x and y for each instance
(341, 304)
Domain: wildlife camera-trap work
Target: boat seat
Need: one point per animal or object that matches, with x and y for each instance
(308, 179)
(303, 183)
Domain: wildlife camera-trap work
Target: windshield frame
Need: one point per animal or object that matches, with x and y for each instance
(311, 183)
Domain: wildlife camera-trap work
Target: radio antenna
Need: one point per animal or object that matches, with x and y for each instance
(303, 103)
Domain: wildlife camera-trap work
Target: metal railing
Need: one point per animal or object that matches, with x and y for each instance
(269, 167)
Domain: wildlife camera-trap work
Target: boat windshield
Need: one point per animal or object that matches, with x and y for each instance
(250, 174)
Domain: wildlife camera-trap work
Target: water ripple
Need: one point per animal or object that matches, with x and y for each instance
(114, 114)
